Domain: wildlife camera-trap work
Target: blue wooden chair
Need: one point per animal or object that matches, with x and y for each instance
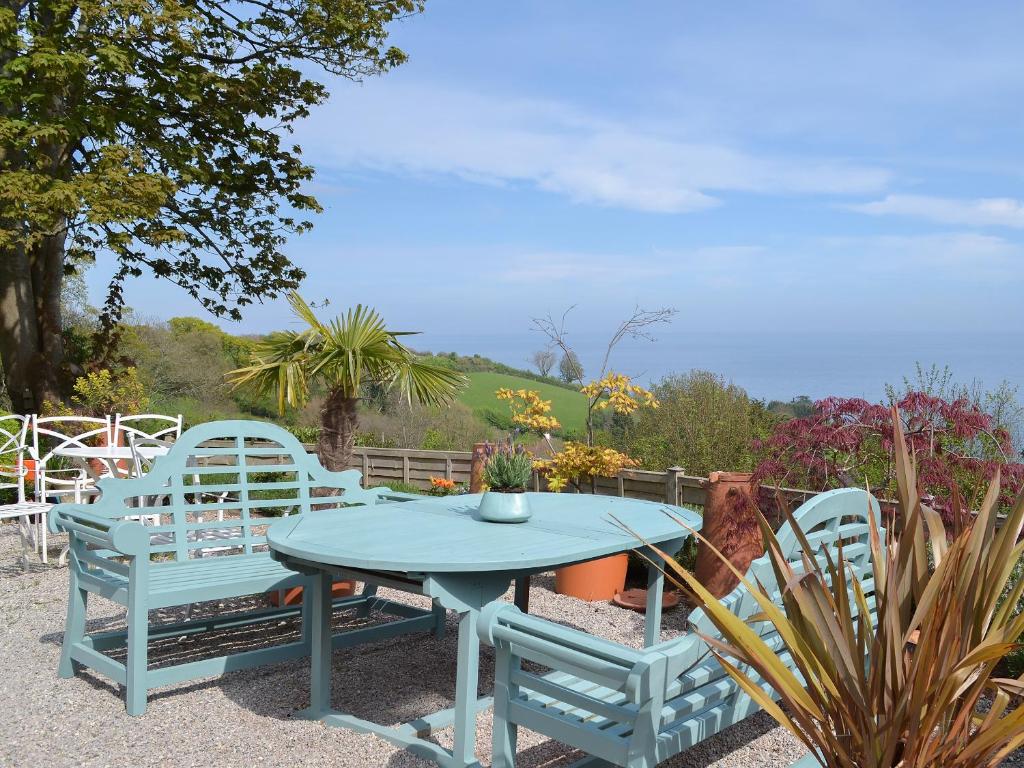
(636, 708)
(203, 485)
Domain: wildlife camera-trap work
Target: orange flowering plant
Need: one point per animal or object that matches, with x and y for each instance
(442, 486)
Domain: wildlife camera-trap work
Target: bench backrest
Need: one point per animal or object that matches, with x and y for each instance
(826, 520)
(228, 476)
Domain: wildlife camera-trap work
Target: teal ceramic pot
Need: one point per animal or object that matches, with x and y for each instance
(498, 507)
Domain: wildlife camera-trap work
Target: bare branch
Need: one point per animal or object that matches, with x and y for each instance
(637, 326)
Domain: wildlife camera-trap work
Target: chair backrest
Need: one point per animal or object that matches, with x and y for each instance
(154, 426)
(243, 472)
(50, 434)
(826, 520)
(13, 434)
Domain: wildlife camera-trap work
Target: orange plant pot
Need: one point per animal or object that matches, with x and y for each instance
(293, 596)
(597, 580)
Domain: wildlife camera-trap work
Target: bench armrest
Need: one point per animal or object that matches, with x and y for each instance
(386, 494)
(127, 537)
(637, 673)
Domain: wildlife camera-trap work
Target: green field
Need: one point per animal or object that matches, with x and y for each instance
(568, 406)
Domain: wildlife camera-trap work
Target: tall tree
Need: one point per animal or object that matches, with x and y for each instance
(153, 131)
(544, 360)
(570, 369)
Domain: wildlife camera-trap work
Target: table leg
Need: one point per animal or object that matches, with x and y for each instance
(655, 590)
(320, 656)
(466, 683)
(522, 594)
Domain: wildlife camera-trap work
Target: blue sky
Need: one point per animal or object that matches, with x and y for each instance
(802, 166)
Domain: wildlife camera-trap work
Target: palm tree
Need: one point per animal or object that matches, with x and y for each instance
(345, 355)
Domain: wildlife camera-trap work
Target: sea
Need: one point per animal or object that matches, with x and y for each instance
(779, 365)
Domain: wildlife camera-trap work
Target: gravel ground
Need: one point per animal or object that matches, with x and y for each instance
(244, 718)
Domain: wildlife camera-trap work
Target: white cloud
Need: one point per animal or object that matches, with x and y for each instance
(421, 130)
(978, 212)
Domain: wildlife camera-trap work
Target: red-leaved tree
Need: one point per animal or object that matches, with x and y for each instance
(849, 442)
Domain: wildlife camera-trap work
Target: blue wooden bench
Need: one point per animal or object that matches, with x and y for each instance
(214, 499)
(634, 708)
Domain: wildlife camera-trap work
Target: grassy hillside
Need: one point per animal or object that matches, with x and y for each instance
(568, 406)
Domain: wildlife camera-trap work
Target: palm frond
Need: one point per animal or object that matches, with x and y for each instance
(344, 354)
(280, 366)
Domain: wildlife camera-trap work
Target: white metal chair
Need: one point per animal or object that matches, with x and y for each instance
(55, 480)
(15, 472)
(146, 426)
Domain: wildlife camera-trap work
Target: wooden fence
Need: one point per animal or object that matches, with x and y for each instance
(387, 466)
(384, 466)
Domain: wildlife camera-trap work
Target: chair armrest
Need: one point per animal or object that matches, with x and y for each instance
(386, 494)
(74, 474)
(635, 672)
(127, 537)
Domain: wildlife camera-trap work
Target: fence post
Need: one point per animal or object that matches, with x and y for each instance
(476, 468)
(672, 485)
(405, 468)
(448, 470)
(366, 470)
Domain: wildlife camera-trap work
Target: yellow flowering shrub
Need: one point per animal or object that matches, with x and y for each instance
(528, 409)
(618, 392)
(101, 392)
(578, 461)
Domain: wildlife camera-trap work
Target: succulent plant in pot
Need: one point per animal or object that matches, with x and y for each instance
(507, 474)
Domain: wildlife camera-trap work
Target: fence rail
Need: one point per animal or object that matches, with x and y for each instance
(381, 466)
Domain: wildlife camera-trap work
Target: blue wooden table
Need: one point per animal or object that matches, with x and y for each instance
(440, 548)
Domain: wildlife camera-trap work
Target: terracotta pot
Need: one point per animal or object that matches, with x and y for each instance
(636, 599)
(595, 580)
(730, 524)
(293, 596)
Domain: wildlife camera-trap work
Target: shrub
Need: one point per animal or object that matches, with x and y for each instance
(705, 423)
(850, 442)
(102, 392)
(577, 462)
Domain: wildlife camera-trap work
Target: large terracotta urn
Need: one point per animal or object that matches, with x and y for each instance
(731, 526)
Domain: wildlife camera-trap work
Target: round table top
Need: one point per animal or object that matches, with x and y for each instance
(109, 452)
(446, 535)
